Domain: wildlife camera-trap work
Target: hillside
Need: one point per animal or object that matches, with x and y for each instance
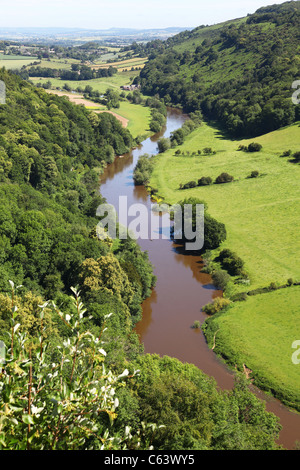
(239, 72)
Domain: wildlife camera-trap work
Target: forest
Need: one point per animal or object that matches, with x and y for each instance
(239, 73)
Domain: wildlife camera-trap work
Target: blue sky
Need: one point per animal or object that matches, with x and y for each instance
(106, 14)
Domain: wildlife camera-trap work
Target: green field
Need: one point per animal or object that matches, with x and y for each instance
(98, 84)
(263, 225)
(57, 63)
(137, 115)
(261, 214)
(139, 118)
(259, 333)
(12, 62)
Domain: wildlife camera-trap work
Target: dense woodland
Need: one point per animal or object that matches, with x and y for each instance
(239, 73)
(51, 154)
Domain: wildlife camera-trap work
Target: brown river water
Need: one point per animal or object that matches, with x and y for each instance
(181, 289)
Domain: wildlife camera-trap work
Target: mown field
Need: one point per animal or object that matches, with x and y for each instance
(261, 214)
(262, 221)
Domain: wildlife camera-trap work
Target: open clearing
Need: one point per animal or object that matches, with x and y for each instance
(98, 84)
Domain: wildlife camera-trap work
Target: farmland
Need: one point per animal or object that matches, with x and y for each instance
(11, 62)
(98, 84)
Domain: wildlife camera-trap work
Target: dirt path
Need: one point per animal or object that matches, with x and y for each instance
(78, 99)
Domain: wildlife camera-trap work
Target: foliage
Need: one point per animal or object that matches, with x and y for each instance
(194, 413)
(216, 306)
(68, 404)
(220, 278)
(259, 55)
(142, 170)
(214, 231)
(224, 178)
(231, 262)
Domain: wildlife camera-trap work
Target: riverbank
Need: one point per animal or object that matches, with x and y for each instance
(260, 215)
(259, 333)
(181, 289)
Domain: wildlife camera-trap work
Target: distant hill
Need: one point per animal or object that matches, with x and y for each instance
(239, 72)
(71, 35)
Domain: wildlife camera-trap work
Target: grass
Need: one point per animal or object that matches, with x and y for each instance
(139, 118)
(57, 63)
(261, 214)
(98, 84)
(262, 221)
(13, 62)
(133, 62)
(259, 333)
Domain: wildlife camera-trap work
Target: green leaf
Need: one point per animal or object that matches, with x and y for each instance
(27, 419)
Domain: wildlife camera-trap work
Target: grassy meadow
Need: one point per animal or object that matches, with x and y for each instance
(259, 333)
(261, 214)
(13, 62)
(138, 116)
(262, 221)
(98, 84)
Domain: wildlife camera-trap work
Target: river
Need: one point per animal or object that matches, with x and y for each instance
(181, 289)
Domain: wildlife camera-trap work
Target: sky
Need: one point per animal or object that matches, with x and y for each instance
(139, 14)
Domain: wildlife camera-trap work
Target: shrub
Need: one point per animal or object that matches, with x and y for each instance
(233, 265)
(231, 262)
(214, 233)
(296, 156)
(224, 178)
(240, 297)
(216, 306)
(254, 147)
(287, 153)
(196, 325)
(220, 279)
(205, 181)
(163, 144)
(190, 184)
(226, 253)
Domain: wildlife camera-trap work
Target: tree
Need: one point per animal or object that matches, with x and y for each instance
(106, 274)
(163, 144)
(67, 404)
(224, 178)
